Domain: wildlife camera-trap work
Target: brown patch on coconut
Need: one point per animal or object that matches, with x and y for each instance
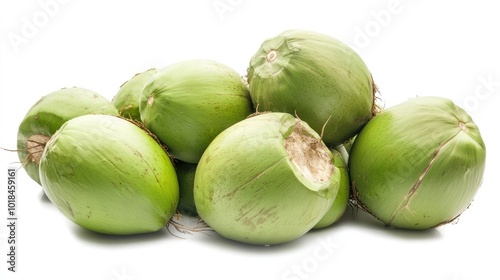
(310, 156)
(377, 107)
(34, 147)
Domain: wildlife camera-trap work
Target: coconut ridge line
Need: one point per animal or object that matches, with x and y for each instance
(405, 203)
(449, 157)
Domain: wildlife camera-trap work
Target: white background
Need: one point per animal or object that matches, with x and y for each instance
(445, 48)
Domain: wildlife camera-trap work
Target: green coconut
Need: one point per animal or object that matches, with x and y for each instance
(127, 98)
(265, 180)
(109, 176)
(45, 117)
(185, 175)
(316, 77)
(341, 201)
(418, 164)
(189, 103)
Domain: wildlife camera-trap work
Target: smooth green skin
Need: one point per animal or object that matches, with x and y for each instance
(109, 176)
(51, 112)
(342, 199)
(127, 98)
(189, 103)
(418, 164)
(315, 77)
(185, 175)
(247, 188)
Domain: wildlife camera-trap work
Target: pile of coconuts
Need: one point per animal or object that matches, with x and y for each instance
(261, 159)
